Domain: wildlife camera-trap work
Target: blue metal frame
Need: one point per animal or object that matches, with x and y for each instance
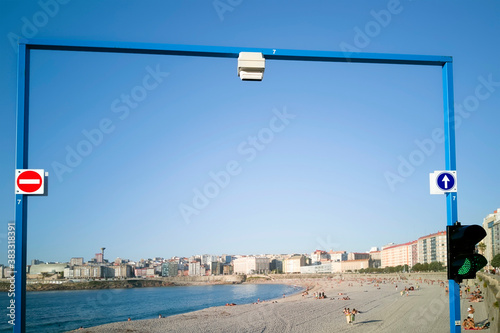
(25, 46)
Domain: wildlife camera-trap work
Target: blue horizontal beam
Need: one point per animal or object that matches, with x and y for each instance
(233, 52)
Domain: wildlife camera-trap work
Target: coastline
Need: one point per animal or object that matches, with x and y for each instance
(381, 306)
(130, 283)
(94, 285)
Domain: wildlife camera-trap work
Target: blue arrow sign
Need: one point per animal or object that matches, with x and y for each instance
(445, 181)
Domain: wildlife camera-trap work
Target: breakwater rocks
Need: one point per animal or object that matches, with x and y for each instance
(119, 284)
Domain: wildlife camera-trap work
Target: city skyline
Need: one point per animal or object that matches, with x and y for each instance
(96, 256)
(153, 154)
(429, 250)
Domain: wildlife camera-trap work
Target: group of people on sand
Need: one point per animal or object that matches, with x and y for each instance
(350, 315)
(476, 296)
(406, 291)
(344, 297)
(468, 322)
(319, 295)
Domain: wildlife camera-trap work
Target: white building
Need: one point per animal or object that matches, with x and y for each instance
(293, 264)
(207, 259)
(251, 265)
(317, 269)
(123, 270)
(89, 272)
(351, 265)
(355, 265)
(48, 268)
(319, 256)
(194, 268)
(76, 261)
(338, 255)
(432, 248)
(491, 223)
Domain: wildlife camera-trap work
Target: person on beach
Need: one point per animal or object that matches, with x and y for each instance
(471, 311)
(353, 315)
(347, 313)
(468, 324)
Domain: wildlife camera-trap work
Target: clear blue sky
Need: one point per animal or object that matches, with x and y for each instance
(315, 177)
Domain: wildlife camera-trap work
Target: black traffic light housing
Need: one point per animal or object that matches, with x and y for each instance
(463, 261)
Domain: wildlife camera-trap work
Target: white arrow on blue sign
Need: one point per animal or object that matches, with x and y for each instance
(443, 181)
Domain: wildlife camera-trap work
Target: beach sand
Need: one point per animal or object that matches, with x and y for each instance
(380, 304)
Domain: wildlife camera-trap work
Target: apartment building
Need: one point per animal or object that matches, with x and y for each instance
(89, 272)
(251, 265)
(355, 265)
(491, 223)
(325, 267)
(170, 268)
(76, 261)
(195, 268)
(357, 256)
(319, 256)
(337, 255)
(432, 248)
(399, 255)
(293, 264)
(123, 271)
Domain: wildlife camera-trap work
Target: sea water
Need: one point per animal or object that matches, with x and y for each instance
(60, 311)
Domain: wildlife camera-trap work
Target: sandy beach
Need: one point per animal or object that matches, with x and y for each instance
(381, 306)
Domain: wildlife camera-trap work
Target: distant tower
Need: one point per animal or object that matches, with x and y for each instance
(99, 257)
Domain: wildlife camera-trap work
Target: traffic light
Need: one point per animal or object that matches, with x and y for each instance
(463, 261)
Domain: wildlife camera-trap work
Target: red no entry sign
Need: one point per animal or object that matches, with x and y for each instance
(29, 181)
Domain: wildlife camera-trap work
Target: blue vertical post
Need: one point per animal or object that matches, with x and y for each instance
(21, 200)
(451, 198)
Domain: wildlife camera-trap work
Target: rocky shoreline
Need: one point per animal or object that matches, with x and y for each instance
(123, 284)
(130, 283)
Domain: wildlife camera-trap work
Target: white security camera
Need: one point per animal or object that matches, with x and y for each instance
(251, 66)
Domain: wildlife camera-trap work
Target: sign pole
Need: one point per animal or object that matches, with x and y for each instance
(21, 204)
(451, 198)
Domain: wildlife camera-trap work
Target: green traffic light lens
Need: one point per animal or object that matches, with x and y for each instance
(465, 269)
